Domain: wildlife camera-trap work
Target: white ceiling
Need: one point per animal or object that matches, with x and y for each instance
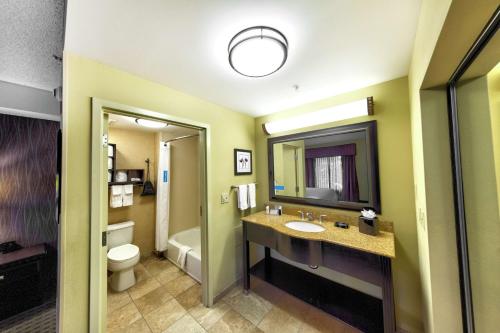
(335, 45)
(128, 123)
(31, 32)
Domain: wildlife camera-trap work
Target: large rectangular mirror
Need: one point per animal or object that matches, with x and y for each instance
(335, 167)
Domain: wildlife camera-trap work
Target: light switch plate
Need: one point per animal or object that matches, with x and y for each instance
(224, 198)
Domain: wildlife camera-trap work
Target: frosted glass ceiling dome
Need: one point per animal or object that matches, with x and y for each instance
(258, 51)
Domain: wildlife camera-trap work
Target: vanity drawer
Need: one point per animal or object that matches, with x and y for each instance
(261, 235)
(19, 272)
(300, 250)
(356, 263)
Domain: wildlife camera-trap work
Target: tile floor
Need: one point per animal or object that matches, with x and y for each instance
(166, 300)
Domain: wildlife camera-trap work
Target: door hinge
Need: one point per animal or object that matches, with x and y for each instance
(201, 210)
(104, 240)
(105, 140)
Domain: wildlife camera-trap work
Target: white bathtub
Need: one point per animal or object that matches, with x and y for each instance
(191, 238)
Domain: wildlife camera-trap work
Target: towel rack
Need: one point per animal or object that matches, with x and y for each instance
(235, 187)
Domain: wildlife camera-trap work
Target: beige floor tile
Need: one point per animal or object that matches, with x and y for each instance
(140, 326)
(125, 316)
(153, 300)
(318, 321)
(268, 292)
(191, 297)
(277, 320)
(142, 288)
(186, 324)
(180, 284)
(141, 273)
(169, 274)
(232, 322)
(251, 306)
(293, 306)
(207, 317)
(312, 319)
(164, 316)
(117, 300)
(156, 266)
(234, 291)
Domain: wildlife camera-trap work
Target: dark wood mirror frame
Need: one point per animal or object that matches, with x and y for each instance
(370, 129)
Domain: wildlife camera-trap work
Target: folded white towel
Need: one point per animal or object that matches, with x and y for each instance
(181, 258)
(128, 189)
(117, 190)
(252, 202)
(115, 201)
(128, 200)
(116, 196)
(243, 197)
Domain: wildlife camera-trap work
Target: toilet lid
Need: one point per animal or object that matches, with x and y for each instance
(123, 252)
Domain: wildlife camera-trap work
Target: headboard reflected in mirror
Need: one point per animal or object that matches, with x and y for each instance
(335, 167)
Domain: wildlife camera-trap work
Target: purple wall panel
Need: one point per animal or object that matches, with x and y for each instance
(28, 157)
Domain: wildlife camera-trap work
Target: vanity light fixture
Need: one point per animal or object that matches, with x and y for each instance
(258, 51)
(363, 107)
(150, 123)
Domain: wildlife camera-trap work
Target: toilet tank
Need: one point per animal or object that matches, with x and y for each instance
(120, 234)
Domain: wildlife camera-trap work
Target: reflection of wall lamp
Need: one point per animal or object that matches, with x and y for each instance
(363, 107)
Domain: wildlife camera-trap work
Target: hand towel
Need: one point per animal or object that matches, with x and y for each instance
(181, 258)
(243, 197)
(128, 189)
(116, 196)
(128, 195)
(117, 190)
(252, 202)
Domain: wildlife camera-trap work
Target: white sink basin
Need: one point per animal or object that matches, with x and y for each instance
(304, 226)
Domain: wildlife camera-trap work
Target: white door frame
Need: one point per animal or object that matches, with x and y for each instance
(99, 202)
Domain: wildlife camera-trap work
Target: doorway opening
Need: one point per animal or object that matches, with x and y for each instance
(149, 218)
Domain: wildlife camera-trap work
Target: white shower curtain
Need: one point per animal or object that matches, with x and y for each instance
(163, 197)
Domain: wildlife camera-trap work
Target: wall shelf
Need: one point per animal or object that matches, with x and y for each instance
(125, 183)
(113, 171)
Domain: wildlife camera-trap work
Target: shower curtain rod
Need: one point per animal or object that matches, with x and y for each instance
(182, 137)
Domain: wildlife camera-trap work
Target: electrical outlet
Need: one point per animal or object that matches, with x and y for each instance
(224, 198)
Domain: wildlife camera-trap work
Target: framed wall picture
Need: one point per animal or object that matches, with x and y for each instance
(242, 162)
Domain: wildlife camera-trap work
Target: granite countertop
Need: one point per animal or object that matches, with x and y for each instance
(382, 244)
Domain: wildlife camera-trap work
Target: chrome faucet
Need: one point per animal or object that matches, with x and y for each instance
(310, 216)
(301, 214)
(322, 218)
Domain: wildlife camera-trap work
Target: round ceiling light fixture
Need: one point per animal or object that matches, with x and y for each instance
(150, 123)
(258, 51)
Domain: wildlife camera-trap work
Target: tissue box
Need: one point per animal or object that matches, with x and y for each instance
(368, 226)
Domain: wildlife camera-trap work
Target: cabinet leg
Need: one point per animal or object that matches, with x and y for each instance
(246, 261)
(388, 296)
(267, 261)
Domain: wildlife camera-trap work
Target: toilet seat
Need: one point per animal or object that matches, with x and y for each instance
(123, 253)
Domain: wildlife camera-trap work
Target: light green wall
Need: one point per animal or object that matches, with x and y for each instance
(83, 79)
(494, 99)
(395, 161)
(481, 200)
(432, 180)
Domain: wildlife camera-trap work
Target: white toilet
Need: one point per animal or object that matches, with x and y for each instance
(122, 255)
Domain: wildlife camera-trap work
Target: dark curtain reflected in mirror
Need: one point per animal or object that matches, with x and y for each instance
(335, 167)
